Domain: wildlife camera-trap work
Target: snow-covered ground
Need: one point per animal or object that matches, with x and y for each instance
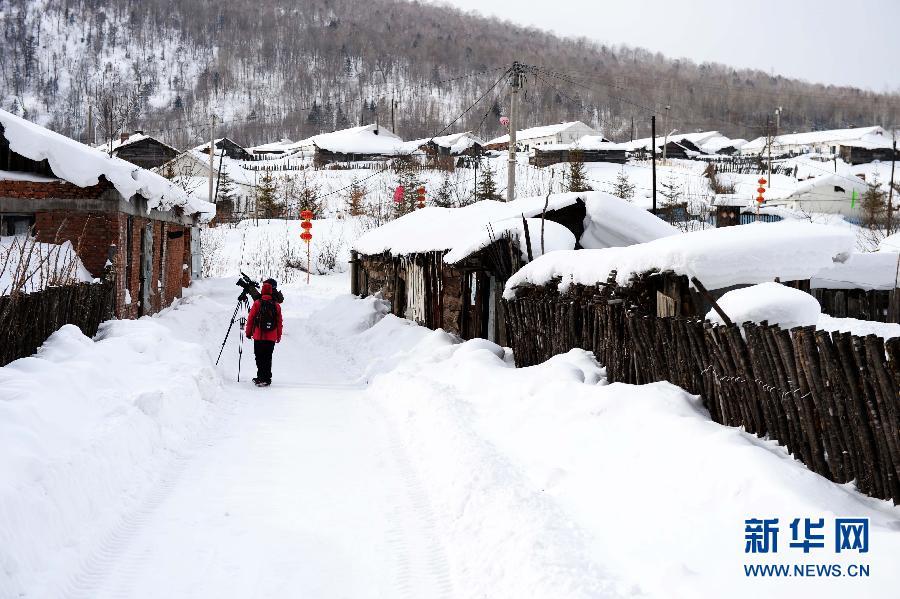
(386, 460)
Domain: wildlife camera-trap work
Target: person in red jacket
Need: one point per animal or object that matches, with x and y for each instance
(264, 325)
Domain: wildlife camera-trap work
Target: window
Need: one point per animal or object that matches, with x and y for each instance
(16, 224)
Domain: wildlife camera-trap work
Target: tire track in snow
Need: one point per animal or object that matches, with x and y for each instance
(110, 555)
(421, 565)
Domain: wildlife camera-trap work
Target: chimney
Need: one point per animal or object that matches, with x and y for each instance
(123, 137)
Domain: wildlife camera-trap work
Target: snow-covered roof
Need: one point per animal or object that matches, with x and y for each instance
(453, 229)
(230, 166)
(698, 139)
(456, 143)
(133, 138)
(719, 258)
(276, 146)
(815, 137)
(891, 243)
(587, 142)
(83, 166)
(365, 139)
(610, 222)
(720, 142)
(35, 266)
(542, 131)
(614, 222)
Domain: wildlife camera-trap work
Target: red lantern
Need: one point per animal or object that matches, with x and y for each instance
(420, 197)
(760, 199)
(398, 194)
(306, 225)
(306, 236)
(504, 121)
(306, 215)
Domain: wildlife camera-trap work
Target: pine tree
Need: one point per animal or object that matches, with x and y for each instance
(356, 199)
(486, 188)
(623, 187)
(444, 196)
(577, 177)
(225, 196)
(873, 205)
(267, 204)
(406, 178)
(671, 193)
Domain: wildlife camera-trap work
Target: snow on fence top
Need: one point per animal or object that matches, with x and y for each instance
(82, 165)
(610, 222)
(772, 302)
(870, 270)
(27, 266)
(719, 258)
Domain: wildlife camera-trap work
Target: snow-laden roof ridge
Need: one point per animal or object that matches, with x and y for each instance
(82, 165)
(813, 137)
(539, 131)
(720, 258)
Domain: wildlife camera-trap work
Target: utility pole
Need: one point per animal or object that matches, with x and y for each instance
(666, 129)
(770, 140)
(890, 223)
(632, 129)
(515, 82)
(212, 149)
(393, 122)
(90, 125)
(653, 152)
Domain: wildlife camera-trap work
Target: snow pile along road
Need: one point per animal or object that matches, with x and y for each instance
(85, 429)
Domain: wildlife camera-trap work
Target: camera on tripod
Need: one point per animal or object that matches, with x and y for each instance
(248, 286)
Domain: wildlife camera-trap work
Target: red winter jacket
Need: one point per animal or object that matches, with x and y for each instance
(255, 332)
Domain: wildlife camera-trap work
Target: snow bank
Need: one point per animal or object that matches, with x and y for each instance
(83, 166)
(891, 243)
(785, 306)
(722, 257)
(546, 482)
(84, 427)
(614, 222)
(861, 328)
(30, 266)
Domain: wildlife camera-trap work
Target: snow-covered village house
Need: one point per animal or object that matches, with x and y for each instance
(354, 144)
(590, 148)
(446, 267)
(560, 133)
(854, 145)
(191, 170)
(112, 212)
(143, 150)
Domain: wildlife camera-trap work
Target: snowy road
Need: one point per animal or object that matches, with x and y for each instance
(385, 461)
(301, 490)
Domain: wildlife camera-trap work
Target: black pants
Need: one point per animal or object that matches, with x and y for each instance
(262, 350)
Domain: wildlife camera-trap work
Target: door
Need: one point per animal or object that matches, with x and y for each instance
(146, 268)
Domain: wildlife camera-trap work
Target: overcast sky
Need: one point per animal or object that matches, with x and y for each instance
(825, 41)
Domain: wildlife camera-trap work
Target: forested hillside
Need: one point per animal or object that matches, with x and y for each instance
(289, 68)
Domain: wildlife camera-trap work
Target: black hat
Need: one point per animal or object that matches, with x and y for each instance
(272, 282)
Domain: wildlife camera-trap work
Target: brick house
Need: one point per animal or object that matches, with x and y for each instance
(123, 221)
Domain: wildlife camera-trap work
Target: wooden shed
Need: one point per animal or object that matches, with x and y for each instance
(143, 150)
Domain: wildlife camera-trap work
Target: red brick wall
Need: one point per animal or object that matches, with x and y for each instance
(62, 189)
(174, 256)
(91, 233)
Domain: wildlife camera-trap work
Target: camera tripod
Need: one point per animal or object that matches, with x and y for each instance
(243, 302)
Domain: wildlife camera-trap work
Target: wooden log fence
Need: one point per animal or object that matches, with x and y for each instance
(830, 398)
(29, 319)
